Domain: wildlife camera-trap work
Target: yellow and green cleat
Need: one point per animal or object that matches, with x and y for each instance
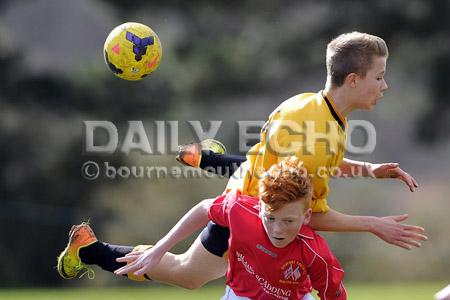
(191, 154)
(69, 262)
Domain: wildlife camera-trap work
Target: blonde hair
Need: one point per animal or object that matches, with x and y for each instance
(353, 53)
(285, 182)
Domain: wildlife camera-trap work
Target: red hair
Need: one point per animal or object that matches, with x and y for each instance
(285, 182)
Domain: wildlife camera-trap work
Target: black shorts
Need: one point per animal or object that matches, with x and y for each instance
(215, 239)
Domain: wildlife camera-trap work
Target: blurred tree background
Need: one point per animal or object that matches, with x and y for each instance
(222, 60)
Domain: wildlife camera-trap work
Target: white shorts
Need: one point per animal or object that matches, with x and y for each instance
(230, 295)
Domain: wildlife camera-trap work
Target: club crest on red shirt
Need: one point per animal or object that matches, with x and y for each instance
(292, 271)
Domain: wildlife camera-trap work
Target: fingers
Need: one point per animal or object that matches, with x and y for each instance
(411, 242)
(407, 244)
(132, 260)
(141, 271)
(126, 259)
(405, 236)
(393, 170)
(137, 263)
(397, 172)
(408, 179)
(402, 245)
(135, 253)
(414, 182)
(415, 243)
(410, 183)
(130, 257)
(126, 269)
(415, 236)
(414, 228)
(411, 230)
(137, 268)
(411, 237)
(121, 271)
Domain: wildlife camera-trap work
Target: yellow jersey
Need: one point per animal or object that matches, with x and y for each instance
(307, 126)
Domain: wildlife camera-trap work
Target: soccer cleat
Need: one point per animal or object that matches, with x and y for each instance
(213, 145)
(69, 262)
(191, 154)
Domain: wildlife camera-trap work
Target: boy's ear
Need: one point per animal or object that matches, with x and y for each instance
(351, 79)
(308, 215)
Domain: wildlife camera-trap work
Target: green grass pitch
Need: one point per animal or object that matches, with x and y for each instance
(386, 291)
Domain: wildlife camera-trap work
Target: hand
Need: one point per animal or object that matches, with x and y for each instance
(391, 170)
(140, 262)
(391, 230)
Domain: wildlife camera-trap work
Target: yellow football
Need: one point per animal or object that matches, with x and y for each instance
(132, 51)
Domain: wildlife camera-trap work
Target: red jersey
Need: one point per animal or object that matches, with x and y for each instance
(259, 270)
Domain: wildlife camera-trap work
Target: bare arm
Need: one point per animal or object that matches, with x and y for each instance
(389, 228)
(339, 222)
(192, 221)
(354, 168)
(142, 262)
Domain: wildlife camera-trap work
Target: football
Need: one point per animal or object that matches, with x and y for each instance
(132, 51)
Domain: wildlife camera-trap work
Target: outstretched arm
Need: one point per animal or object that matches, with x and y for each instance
(354, 168)
(142, 262)
(389, 229)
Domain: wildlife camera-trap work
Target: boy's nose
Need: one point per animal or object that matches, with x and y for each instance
(385, 86)
(278, 228)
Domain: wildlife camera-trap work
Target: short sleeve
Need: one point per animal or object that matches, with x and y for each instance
(326, 273)
(320, 205)
(220, 208)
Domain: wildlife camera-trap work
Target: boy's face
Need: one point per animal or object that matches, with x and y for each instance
(370, 88)
(283, 224)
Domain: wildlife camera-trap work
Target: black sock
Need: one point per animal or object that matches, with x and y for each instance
(222, 164)
(104, 255)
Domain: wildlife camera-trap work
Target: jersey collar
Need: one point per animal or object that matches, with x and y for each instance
(334, 112)
(306, 232)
